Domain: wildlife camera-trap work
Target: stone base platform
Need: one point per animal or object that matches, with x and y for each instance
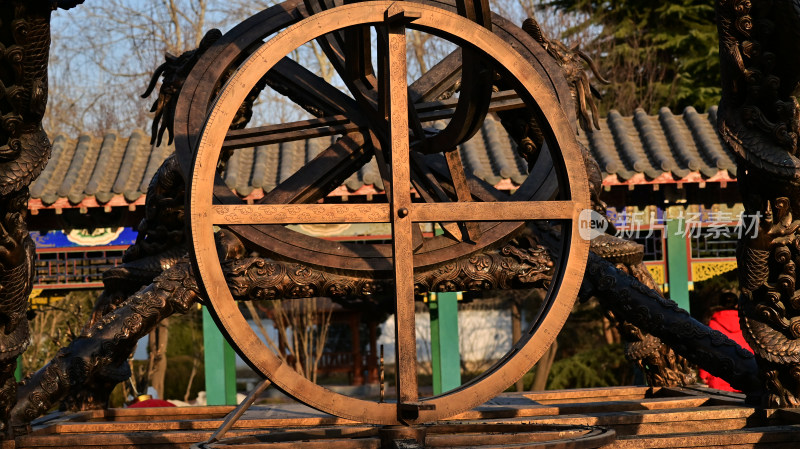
(640, 417)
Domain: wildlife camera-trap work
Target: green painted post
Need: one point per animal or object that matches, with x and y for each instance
(18, 371)
(677, 258)
(220, 361)
(445, 355)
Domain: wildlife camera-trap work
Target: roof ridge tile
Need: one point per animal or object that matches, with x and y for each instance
(232, 170)
(636, 157)
(128, 161)
(60, 141)
(652, 144)
(74, 183)
(62, 164)
(651, 141)
(708, 153)
(104, 170)
(246, 158)
(677, 140)
(488, 172)
(606, 157)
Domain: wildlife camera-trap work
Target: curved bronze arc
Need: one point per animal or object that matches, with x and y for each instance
(476, 90)
(203, 81)
(280, 241)
(376, 258)
(565, 285)
(201, 85)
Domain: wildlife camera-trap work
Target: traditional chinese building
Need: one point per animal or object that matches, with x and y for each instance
(668, 180)
(670, 185)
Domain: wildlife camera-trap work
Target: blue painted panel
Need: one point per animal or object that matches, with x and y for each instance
(84, 238)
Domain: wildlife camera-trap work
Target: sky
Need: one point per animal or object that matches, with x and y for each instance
(104, 52)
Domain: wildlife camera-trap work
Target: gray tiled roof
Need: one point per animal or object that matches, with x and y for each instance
(99, 168)
(678, 145)
(653, 146)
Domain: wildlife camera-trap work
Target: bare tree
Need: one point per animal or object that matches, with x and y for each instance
(302, 327)
(105, 54)
(553, 22)
(55, 324)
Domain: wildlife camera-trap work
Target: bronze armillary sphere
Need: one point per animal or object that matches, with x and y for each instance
(386, 118)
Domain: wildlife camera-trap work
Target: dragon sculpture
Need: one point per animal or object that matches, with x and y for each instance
(759, 119)
(156, 279)
(658, 362)
(24, 151)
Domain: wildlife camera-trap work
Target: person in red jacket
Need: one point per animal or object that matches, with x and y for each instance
(145, 400)
(726, 320)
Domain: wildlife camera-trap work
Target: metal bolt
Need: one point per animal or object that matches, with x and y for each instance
(402, 212)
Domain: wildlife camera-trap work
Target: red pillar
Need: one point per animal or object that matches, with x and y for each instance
(372, 358)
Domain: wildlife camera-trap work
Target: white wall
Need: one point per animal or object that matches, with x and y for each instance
(482, 335)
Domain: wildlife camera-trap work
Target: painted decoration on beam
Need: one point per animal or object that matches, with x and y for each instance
(633, 217)
(703, 271)
(84, 238)
(658, 272)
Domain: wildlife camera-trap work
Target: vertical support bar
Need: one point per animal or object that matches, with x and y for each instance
(516, 332)
(18, 370)
(220, 364)
(677, 258)
(445, 354)
(400, 205)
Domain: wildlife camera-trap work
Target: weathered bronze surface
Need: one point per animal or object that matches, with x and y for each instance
(401, 167)
(343, 158)
(24, 151)
(759, 118)
(160, 244)
(540, 88)
(95, 357)
(644, 417)
(97, 360)
(84, 374)
(659, 362)
(644, 308)
(518, 264)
